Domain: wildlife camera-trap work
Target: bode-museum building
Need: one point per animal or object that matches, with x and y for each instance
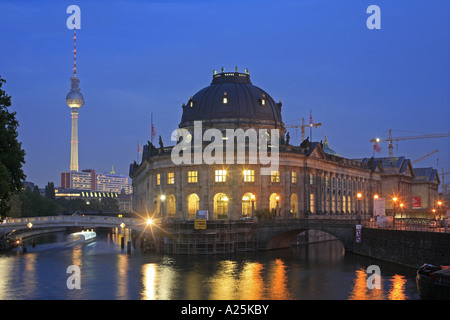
(231, 156)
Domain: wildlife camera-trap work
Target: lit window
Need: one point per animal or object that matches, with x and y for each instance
(311, 203)
(158, 179)
(221, 175)
(249, 175)
(263, 100)
(225, 98)
(191, 102)
(293, 177)
(171, 178)
(192, 176)
(311, 179)
(275, 176)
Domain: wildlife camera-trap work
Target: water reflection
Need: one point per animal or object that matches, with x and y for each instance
(251, 283)
(278, 284)
(319, 271)
(397, 290)
(229, 281)
(391, 289)
(149, 281)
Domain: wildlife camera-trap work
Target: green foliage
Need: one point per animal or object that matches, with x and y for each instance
(12, 156)
(50, 191)
(34, 205)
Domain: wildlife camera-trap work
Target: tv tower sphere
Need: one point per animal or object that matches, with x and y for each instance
(74, 98)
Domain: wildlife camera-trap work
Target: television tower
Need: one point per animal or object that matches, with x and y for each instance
(75, 101)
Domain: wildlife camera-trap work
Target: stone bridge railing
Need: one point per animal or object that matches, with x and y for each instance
(9, 225)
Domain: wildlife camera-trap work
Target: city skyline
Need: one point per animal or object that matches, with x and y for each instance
(152, 57)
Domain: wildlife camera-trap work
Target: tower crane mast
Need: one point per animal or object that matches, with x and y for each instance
(303, 126)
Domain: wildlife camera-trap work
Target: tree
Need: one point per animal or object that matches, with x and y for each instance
(12, 156)
(50, 191)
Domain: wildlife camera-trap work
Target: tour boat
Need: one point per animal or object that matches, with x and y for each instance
(433, 282)
(82, 237)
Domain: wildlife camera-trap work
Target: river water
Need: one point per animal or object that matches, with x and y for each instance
(107, 272)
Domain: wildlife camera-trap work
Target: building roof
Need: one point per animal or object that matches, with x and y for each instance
(426, 175)
(392, 165)
(244, 102)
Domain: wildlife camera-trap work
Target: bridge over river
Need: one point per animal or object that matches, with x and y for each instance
(403, 245)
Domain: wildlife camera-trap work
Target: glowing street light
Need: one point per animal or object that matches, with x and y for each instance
(252, 198)
(29, 225)
(149, 222)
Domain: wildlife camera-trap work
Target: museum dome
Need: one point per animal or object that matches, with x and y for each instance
(231, 98)
(327, 149)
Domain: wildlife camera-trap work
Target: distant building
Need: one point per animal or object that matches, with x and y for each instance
(90, 180)
(84, 180)
(425, 188)
(113, 182)
(396, 180)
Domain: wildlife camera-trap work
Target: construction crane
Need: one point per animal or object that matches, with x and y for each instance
(444, 187)
(391, 139)
(425, 156)
(303, 126)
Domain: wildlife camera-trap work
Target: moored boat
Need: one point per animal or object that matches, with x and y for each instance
(433, 282)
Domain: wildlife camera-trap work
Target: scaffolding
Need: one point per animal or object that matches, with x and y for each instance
(181, 237)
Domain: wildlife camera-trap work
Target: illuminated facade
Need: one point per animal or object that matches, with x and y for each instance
(92, 181)
(308, 180)
(113, 183)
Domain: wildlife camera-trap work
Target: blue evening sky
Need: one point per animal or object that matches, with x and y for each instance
(136, 58)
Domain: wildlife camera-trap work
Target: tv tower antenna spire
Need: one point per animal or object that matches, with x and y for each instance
(74, 50)
(75, 101)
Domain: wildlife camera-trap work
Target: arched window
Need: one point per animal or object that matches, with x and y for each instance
(274, 200)
(171, 207)
(247, 205)
(221, 206)
(192, 205)
(294, 205)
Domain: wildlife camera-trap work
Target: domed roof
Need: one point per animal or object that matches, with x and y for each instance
(327, 149)
(232, 97)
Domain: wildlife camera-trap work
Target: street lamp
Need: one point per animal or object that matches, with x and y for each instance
(439, 203)
(252, 198)
(394, 206)
(277, 198)
(359, 197)
(162, 198)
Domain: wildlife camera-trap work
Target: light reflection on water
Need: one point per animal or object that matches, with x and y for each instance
(319, 271)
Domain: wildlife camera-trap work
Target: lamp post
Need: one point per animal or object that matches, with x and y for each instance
(439, 203)
(394, 206)
(162, 198)
(252, 198)
(277, 198)
(401, 213)
(359, 197)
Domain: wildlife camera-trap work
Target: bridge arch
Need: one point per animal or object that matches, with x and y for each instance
(277, 237)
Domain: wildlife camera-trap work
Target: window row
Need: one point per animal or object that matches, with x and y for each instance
(249, 176)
